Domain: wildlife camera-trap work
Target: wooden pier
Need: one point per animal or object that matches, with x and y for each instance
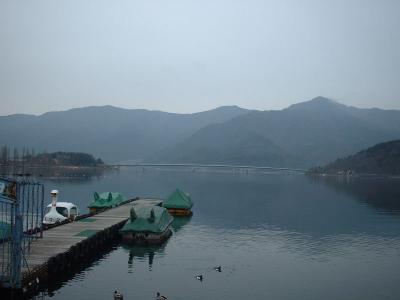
(63, 246)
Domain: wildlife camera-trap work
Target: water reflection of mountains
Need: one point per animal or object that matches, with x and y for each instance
(61, 174)
(383, 194)
(295, 204)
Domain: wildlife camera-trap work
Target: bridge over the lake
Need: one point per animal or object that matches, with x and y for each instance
(218, 166)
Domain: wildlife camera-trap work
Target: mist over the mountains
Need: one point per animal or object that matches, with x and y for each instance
(303, 135)
(114, 134)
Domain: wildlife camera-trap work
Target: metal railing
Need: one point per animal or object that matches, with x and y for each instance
(21, 215)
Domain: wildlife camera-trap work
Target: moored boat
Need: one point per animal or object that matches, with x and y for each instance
(147, 225)
(105, 201)
(57, 212)
(178, 203)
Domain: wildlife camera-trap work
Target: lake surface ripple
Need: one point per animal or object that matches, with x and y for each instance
(276, 236)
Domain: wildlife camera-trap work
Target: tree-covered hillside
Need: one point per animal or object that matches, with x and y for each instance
(29, 158)
(382, 158)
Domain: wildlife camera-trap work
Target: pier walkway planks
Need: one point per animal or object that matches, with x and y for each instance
(60, 239)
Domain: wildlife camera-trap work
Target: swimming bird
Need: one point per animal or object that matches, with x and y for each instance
(218, 269)
(118, 296)
(199, 277)
(159, 297)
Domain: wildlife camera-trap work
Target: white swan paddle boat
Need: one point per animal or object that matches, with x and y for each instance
(57, 212)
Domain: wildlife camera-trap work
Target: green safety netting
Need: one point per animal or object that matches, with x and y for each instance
(148, 219)
(106, 200)
(178, 200)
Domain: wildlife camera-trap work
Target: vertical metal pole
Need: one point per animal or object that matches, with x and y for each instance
(16, 242)
(4, 235)
(11, 241)
(42, 211)
(33, 208)
(26, 215)
(21, 201)
(37, 211)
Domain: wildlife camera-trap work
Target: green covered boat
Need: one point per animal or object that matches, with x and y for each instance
(105, 201)
(178, 203)
(147, 224)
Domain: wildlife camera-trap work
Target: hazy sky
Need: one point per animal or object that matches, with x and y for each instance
(186, 56)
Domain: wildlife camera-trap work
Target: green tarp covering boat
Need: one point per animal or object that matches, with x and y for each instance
(152, 219)
(106, 200)
(178, 200)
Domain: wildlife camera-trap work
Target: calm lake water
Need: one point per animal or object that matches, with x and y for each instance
(276, 236)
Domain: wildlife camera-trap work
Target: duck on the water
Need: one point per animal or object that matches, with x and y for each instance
(159, 297)
(118, 296)
(218, 269)
(199, 277)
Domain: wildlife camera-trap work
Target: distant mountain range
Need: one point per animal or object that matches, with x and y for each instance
(303, 135)
(383, 158)
(112, 133)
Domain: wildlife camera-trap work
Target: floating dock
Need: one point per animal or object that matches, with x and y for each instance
(63, 246)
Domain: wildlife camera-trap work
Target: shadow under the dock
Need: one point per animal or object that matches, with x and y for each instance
(55, 282)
